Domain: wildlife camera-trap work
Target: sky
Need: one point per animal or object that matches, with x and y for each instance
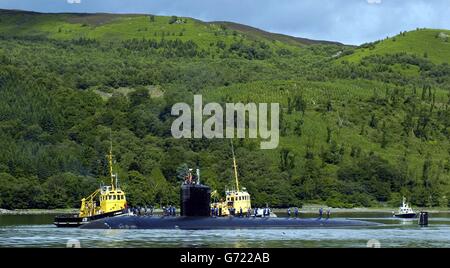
(347, 21)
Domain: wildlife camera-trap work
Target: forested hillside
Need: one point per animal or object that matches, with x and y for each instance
(357, 129)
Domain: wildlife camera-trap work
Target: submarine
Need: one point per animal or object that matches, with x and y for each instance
(195, 214)
(199, 213)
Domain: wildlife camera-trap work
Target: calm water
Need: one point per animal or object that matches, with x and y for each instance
(37, 231)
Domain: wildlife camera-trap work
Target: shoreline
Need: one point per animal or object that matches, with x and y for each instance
(39, 211)
(306, 209)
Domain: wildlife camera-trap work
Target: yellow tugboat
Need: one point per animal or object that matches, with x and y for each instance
(107, 201)
(236, 201)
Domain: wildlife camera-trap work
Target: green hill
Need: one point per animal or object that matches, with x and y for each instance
(110, 27)
(357, 132)
(433, 44)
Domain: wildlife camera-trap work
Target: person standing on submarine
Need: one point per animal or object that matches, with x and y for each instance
(320, 213)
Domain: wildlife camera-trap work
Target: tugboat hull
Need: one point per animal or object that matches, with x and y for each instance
(406, 216)
(210, 223)
(72, 221)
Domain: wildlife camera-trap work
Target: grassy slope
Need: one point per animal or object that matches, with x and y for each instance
(110, 27)
(416, 42)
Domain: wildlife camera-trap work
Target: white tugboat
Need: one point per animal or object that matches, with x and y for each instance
(405, 211)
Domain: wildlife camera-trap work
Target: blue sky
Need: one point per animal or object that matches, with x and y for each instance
(347, 21)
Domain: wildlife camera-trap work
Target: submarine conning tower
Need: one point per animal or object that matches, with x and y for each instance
(195, 198)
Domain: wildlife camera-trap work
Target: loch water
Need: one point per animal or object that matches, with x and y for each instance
(38, 231)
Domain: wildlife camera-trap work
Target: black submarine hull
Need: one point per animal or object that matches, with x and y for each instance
(209, 223)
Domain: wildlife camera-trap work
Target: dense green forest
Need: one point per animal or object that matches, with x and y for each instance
(359, 126)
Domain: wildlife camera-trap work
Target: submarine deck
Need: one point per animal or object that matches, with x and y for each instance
(208, 223)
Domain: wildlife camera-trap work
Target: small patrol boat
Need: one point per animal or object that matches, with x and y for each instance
(405, 211)
(106, 201)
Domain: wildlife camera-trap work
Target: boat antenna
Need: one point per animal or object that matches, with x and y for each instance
(110, 156)
(235, 167)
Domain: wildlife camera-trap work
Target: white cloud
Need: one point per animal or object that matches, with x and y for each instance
(372, 2)
(74, 1)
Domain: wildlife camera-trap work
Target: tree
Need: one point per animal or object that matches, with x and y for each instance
(283, 123)
(140, 189)
(384, 136)
(335, 154)
(287, 160)
(373, 121)
(173, 19)
(300, 104)
(329, 133)
(139, 96)
(426, 170)
(298, 127)
(164, 192)
(182, 171)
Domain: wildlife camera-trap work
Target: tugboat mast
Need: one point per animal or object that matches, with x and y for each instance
(110, 167)
(235, 167)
